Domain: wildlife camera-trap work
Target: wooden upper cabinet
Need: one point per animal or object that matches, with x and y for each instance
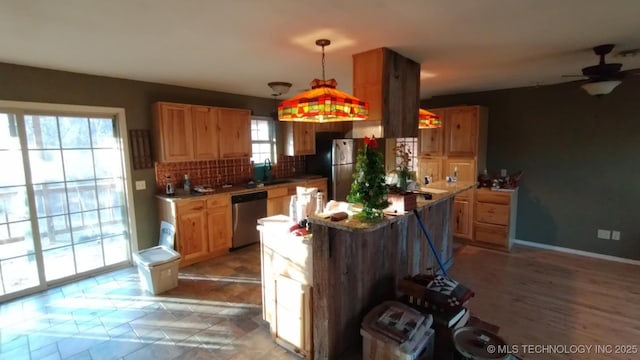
(461, 130)
(390, 83)
(297, 138)
(173, 132)
(431, 141)
(466, 169)
(205, 133)
(430, 167)
(234, 129)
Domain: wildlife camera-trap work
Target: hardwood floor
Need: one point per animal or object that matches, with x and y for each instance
(537, 297)
(540, 297)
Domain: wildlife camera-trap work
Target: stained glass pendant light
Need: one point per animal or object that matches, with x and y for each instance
(323, 103)
(428, 120)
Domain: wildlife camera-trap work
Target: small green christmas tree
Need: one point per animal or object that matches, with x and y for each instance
(368, 187)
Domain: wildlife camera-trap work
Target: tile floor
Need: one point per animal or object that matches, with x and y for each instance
(215, 313)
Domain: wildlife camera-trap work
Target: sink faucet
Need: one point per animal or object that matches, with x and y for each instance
(267, 169)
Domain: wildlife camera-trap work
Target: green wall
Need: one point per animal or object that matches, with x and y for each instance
(22, 83)
(581, 160)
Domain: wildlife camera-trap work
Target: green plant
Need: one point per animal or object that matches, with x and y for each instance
(368, 187)
(403, 172)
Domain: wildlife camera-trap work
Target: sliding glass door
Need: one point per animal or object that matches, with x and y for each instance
(64, 211)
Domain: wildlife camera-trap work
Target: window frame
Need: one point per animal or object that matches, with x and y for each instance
(271, 141)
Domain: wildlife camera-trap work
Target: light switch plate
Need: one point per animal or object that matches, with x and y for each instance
(141, 185)
(615, 235)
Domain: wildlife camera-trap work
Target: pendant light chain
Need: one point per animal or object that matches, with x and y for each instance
(323, 79)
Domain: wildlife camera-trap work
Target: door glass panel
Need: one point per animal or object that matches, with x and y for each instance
(18, 268)
(74, 133)
(77, 183)
(42, 132)
(78, 164)
(19, 273)
(59, 263)
(89, 255)
(46, 166)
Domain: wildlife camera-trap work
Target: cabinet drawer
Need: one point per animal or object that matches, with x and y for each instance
(491, 234)
(215, 201)
(492, 213)
(277, 192)
(190, 205)
(292, 189)
(466, 195)
(494, 197)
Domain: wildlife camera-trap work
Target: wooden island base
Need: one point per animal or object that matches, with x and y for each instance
(357, 266)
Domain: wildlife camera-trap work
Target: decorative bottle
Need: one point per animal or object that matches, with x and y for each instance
(292, 209)
(319, 202)
(187, 184)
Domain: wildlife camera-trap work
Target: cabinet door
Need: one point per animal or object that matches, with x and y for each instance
(175, 132)
(219, 226)
(466, 169)
(297, 138)
(205, 132)
(192, 231)
(430, 167)
(461, 130)
(431, 141)
(234, 132)
(304, 138)
(293, 315)
(462, 217)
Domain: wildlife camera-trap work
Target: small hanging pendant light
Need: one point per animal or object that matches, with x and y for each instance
(428, 120)
(323, 103)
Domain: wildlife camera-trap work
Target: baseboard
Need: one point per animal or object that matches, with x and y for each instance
(577, 252)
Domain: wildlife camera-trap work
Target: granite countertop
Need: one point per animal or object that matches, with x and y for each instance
(439, 191)
(237, 189)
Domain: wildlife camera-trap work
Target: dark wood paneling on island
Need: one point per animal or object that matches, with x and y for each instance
(355, 268)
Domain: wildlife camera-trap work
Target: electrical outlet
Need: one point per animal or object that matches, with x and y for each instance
(141, 185)
(604, 234)
(615, 235)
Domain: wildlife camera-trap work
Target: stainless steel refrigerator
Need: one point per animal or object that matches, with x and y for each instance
(335, 159)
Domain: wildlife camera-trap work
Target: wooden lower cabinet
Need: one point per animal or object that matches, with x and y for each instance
(462, 216)
(287, 277)
(191, 230)
(203, 226)
(495, 218)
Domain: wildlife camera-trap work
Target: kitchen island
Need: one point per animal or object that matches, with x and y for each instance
(357, 265)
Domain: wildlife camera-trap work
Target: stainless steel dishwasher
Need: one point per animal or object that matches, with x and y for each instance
(247, 209)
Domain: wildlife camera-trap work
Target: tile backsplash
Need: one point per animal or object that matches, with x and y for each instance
(219, 172)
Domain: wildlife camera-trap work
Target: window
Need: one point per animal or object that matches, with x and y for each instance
(411, 145)
(263, 140)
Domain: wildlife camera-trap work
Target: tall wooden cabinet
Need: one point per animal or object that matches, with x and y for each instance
(459, 146)
(390, 83)
(185, 132)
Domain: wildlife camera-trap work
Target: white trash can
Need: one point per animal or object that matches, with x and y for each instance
(158, 266)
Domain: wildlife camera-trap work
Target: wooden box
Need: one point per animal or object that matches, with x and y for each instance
(402, 202)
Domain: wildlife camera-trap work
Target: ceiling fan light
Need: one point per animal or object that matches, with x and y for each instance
(599, 88)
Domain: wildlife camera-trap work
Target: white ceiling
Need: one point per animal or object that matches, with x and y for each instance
(238, 46)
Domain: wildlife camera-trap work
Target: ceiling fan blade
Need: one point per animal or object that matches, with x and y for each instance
(582, 76)
(635, 71)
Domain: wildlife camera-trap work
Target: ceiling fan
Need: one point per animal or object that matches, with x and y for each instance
(604, 77)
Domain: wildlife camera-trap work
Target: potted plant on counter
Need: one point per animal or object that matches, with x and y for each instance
(368, 187)
(400, 199)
